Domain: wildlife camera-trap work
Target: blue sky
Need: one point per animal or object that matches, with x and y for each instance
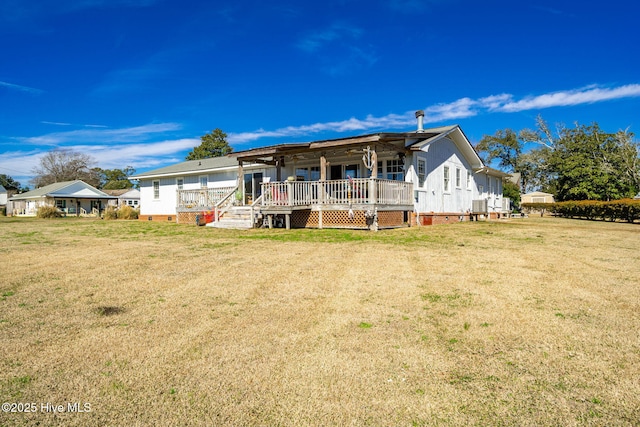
(137, 82)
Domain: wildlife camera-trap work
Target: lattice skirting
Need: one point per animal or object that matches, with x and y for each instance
(189, 218)
(390, 218)
(341, 219)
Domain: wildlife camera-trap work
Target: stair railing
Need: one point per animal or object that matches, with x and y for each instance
(225, 203)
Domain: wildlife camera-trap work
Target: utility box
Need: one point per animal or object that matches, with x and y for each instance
(480, 206)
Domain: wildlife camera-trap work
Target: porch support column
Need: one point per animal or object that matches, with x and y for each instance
(374, 160)
(240, 173)
(323, 167)
(279, 165)
(373, 184)
(323, 177)
(240, 179)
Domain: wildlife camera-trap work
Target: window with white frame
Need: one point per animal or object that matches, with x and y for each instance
(458, 178)
(204, 181)
(156, 190)
(395, 170)
(180, 183)
(468, 180)
(446, 178)
(422, 172)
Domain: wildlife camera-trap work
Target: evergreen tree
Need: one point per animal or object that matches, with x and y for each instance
(213, 144)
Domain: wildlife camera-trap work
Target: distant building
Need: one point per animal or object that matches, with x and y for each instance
(125, 197)
(537, 197)
(3, 196)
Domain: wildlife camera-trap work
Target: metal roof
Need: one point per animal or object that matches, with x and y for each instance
(58, 189)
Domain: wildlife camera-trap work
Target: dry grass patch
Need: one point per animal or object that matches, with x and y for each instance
(520, 323)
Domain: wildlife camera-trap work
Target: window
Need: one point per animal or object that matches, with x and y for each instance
(446, 178)
(156, 190)
(380, 173)
(395, 170)
(468, 180)
(180, 183)
(302, 172)
(458, 178)
(315, 173)
(422, 172)
(204, 181)
(61, 204)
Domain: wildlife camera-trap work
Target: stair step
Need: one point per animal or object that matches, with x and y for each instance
(230, 223)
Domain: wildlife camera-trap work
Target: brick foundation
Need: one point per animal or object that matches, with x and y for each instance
(163, 218)
(432, 218)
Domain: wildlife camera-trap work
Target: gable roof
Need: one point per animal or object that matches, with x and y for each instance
(537, 193)
(190, 167)
(71, 189)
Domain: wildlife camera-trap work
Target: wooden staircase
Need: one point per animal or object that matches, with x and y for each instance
(237, 217)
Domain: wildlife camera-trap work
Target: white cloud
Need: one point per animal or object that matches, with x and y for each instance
(586, 95)
(21, 88)
(458, 109)
(98, 134)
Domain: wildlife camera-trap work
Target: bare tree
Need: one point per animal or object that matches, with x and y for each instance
(65, 165)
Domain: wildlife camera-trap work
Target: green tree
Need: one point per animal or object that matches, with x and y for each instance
(9, 183)
(504, 146)
(116, 179)
(591, 164)
(213, 144)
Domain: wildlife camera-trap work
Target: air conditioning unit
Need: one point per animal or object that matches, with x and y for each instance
(480, 206)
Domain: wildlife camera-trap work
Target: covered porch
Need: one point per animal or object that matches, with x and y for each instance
(354, 182)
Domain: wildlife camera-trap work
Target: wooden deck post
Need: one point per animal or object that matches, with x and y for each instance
(323, 177)
(373, 184)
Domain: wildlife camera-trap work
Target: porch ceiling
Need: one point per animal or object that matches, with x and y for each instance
(388, 141)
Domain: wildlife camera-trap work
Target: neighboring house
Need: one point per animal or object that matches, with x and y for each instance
(369, 181)
(125, 197)
(3, 196)
(537, 197)
(70, 197)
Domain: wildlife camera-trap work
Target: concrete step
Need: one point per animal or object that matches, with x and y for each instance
(240, 224)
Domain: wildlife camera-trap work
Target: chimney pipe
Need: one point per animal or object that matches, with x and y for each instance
(420, 117)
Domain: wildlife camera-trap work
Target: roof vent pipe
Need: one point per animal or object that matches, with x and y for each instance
(420, 117)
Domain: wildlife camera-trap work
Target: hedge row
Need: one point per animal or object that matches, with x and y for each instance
(614, 210)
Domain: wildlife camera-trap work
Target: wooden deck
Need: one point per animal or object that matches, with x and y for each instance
(339, 194)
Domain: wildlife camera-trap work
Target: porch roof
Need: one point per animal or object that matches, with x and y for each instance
(400, 141)
(69, 189)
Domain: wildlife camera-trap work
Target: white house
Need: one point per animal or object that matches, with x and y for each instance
(125, 197)
(377, 180)
(70, 197)
(3, 196)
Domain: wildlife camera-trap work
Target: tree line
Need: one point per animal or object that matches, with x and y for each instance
(579, 163)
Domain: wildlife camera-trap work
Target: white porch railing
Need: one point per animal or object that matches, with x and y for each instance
(201, 198)
(337, 192)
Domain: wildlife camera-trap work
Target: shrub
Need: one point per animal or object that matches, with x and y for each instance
(48, 211)
(625, 209)
(110, 213)
(127, 212)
